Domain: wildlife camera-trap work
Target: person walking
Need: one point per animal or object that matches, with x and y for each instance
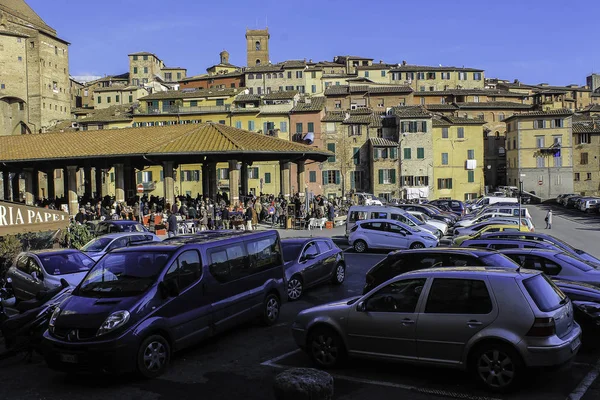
(549, 220)
(225, 217)
(248, 216)
(171, 224)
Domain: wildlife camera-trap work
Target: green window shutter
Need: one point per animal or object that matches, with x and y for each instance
(424, 126)
(298, 127)
(99, 100)
(331, 147)
(420, 152)
(182, 176)
(131, 99)
(283, 126)
(471, 175)
(380, 176)
(392, 176)
(312, 176)
(139, 177)
(150, 176)
(267, 177)
(450, 183)
(393, 153)
(337, 177)
(352, 180)
(162, 175)
(325, 178)
(311, 127)
(407, 153)
(265, 127)
(356, 155)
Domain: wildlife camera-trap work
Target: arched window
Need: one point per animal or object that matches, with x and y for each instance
(257, 45)
(501, 117)
(257, 61)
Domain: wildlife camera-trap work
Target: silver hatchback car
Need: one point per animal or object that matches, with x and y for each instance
(494, 322)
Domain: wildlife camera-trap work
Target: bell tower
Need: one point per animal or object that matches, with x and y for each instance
(257, 45)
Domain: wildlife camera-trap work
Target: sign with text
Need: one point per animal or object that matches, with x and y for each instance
(19, 218)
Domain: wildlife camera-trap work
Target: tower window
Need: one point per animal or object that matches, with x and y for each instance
(257, 61)
(257, 45)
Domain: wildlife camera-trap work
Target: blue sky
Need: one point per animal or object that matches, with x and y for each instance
(531, 40)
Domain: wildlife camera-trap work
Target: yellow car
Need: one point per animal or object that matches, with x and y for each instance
(490, 228)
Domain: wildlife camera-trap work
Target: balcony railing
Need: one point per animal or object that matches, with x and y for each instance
(186, 110)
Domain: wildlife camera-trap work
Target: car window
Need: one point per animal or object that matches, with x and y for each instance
(378, 215)
(35, 267)
(399, 297)
(263, 254)
(499, 246)
(374, 226)
(22, 264)
(540, 264)
(393, 228)
(65, 263)
(476, 244)
(227, 263)
(310, 249)
(102, 229)
(458, 296)
(577, 263)
(118, 243)
(357, 216)
(462, 260)
(546, 295)
(324, 246)
(185, 270)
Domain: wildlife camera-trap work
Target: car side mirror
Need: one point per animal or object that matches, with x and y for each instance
(361, 306)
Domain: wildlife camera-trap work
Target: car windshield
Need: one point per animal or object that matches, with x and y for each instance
(499, 260)
(123, 274)
(66, 263)
(291, 251)
(546, 295)
(130, 228)
(577, 263)
(96, 244)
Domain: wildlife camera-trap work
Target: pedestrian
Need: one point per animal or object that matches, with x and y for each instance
(248, 216)
(548, 219)
(254, 219)
(225, 217)
(171, 223)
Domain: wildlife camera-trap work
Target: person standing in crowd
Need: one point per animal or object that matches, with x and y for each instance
(171, 224)
(254, 219)
(225, 217)
(548, 219)
(80, 217)
(249, 217)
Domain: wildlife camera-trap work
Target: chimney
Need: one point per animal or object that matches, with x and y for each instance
(310, 60)
(380, 61)
(403, 62)
(307, 100)
(224, 55)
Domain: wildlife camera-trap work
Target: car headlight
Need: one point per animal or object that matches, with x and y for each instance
(114, 321)
(53, 318)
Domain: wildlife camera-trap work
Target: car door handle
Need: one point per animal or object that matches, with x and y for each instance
(407, 321)
(472, 324)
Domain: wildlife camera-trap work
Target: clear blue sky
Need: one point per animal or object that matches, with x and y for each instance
(530, 40)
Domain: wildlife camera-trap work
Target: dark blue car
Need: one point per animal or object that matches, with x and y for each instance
(140, 304)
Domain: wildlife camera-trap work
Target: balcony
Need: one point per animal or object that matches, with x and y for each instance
(186, 110)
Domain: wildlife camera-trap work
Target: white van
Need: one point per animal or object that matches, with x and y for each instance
(359, 213)
(489, 200)
(589, 205)
(368, 199)
(514, 210)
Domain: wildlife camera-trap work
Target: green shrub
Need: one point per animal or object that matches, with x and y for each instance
(76, 236)
(10, 246)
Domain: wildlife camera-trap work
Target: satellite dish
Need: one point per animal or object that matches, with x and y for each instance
(309, 138)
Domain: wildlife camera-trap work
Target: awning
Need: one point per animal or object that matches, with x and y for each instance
(19, 218)
(417, 193)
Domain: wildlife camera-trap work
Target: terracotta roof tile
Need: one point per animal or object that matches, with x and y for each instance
(494, 105)
(334, 116)
(464, 121)
(550, 113)
(381, 142)
(185, 94)
(441, 107)
(415, 68)
(315, 104)
(283, 95)
(411, 112)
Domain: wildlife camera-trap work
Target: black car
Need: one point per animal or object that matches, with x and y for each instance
(455, 206)
(401, 261)
(310, 261)
(431, 212)
(586, 303)
(104, 227)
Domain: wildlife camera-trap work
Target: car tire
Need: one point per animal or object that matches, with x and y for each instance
(360, 246)
(326, 348)
(417, 245)
(497, 366)
(339, 274)
(294, 288)
(153, 356)
(271, 310)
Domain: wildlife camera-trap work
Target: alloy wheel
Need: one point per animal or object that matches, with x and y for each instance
(325, 349)
(340, 273)
(417, 246)
(272, 308)
(496, 368)
(360, 246)
(155, 356)
(294, 289)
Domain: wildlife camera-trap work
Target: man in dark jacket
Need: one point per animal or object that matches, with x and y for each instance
(171, 224)
(225, 217)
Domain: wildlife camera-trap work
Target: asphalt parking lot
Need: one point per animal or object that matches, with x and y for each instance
(242, 363)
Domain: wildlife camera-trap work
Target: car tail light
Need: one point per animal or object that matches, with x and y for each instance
(542, 327)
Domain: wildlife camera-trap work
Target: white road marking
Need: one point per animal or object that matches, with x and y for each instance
(443, 393)
(585, 383)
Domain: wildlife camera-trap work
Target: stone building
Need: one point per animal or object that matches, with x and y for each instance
(145, 67)
(257, 45)
(219, 76)
(88, 97)
(34, 72)
(376, 97)
(539, 152)
(430, 79)
(586, 156)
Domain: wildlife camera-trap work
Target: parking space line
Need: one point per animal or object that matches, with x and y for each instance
(585, 383)
(443, 393)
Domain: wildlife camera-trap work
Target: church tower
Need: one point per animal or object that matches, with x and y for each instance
(257, 44)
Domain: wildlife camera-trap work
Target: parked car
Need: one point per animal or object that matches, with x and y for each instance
(40, 270)
(499, 227)
(555, 264)
(311, 261)
(503, 209)
(499, 244)
(104, 227)
(453, 317)
(101, 245)
(358, 213)
(140, 304)
(480, 218)
(368, 199)
(489, 200)
(572, 201)
(431, 211)
(586, 304)
(476, 227)
(402, 261)
(589, 205)
(455, 206)
(442, 226)
(542, 237)
(561, 197)
(388, 234)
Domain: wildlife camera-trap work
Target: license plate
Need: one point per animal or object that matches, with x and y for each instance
(575, 344)
(68, 358)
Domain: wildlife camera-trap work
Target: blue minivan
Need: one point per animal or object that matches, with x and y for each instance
(140, 304)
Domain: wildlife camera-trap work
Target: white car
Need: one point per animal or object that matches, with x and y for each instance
(442, 226)
(101, 245)
(388, 234)
(468, 222)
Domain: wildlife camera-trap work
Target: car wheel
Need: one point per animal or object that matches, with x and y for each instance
(153, 356)
(360, 246)
(326, 348)
(271, 310)
(339, 274)
(498, 367)
(417, 245)
(294, 288)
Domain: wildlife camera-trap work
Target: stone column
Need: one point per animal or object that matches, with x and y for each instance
(98, 182)
(50, 190)
(284, 182)
(71, 179)
(119, 183)
(16, 193)
(301, 184)
(128, 179)
(234, 179)
(6, 185)
(29, 194)
(169, 184)
(212, 181)
(205, 180)
(35, 185)
(244, 180)
(87, 182)
(65, 177)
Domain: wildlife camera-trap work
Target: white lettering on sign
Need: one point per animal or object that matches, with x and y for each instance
(24, 215)
(3, 216)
